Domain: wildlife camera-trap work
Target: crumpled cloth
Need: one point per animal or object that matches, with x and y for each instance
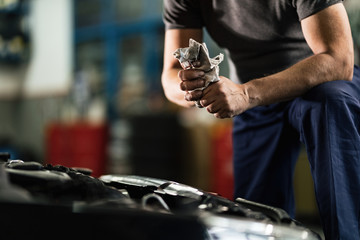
(198, 52)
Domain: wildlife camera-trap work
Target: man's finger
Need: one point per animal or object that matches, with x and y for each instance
(190, 74)
(213, 108)
(190, 85)
(193, 95)
(206, 101)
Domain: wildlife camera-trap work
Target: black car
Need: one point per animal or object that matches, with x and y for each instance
(44, 201)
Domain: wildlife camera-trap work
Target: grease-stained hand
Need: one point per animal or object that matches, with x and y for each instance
(225, 99)
(191, 79)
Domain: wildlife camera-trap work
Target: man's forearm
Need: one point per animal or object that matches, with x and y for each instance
(298, 79)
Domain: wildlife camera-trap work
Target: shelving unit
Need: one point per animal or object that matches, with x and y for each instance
(118, 44)
(107, 24)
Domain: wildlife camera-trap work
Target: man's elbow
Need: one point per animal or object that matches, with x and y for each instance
(348, 68)
(347, 65)
(343, 66)
(342, 63)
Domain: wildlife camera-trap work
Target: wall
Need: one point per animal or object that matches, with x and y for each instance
(50, 68)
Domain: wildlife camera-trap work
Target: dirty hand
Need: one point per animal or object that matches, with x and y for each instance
(192, 79)
(225, 99)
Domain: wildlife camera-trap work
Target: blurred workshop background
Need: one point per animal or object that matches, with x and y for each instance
(80, 86)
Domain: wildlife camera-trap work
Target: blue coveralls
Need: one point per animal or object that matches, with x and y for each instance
(327, 121)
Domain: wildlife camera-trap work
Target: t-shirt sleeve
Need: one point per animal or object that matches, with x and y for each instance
(306, 8)
(182, 14)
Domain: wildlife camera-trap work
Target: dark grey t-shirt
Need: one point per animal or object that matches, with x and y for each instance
(260, 37)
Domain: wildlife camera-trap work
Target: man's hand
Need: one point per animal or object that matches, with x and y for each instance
(225, 99)
(170, 79)
(191, 80)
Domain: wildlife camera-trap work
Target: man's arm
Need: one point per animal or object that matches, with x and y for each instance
(329, 36)
(171, 82)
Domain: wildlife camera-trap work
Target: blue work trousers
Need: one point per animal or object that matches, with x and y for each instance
(326, 120)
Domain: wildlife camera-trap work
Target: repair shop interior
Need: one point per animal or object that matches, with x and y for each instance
(90, 144)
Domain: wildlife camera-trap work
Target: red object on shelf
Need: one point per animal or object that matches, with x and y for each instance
(222, 165)
(77, 145)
